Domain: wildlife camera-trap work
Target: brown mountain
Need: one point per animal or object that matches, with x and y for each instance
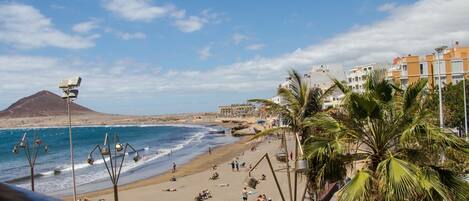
(43, 103)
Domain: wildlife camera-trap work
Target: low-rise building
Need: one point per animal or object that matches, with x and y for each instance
(237, 110)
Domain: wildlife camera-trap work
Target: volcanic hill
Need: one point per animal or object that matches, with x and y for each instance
(43, 103)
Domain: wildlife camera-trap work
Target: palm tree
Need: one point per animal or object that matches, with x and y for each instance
(388, 134)
(299, 102)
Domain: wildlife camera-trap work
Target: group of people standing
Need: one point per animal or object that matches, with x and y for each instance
(234, 165)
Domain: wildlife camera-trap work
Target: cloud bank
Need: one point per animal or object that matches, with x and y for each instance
(146, 11)
(409, 29)
(24, 27)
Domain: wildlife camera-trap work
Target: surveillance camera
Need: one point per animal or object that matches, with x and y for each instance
(63, 84)
(73, 93)
(74, 82)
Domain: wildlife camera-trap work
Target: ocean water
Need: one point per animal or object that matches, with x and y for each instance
(160, 146)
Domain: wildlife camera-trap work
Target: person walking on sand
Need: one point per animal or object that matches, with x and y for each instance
(174, 167)
(244, 194)
(232, 166)
(237, 166)
(209, 150)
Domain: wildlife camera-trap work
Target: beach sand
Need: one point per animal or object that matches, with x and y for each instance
(193, 177)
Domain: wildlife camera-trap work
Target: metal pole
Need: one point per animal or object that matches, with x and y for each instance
(288, 166)
(295, 189)
(465, 106)
(275, 177)
(32, 178)
(116, 198)
(71, 145)
(439, 91)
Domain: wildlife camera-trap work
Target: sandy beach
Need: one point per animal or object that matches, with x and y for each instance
(193, 177)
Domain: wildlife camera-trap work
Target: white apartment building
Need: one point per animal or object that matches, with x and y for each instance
(317, 77)
(356, 77)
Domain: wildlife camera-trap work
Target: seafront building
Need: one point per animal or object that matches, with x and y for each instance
(404, 70)
(356, 77)
(237, 110)
(318, 77)
(453, 65)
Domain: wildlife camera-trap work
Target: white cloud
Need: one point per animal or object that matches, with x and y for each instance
(23, 26)
(85, 27)
(136, 10)
(204, 52)
(238, 38)
(407, 30)
(190, 24)
(387, 7)
(257, 46)
(131, 36)
(146, 11)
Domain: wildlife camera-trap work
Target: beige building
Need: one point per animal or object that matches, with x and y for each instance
(453, 64)
(237, 110)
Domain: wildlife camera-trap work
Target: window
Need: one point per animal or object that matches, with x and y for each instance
(421, 69)
(404, 67)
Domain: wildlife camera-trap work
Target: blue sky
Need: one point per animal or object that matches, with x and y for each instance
(156, 57)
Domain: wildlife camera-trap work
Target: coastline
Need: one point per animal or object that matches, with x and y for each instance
(200, 163)
(195, 165)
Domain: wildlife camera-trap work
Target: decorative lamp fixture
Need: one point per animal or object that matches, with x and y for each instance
(15, 149)
(137, 157)
(114, 167)
(90, 159)
(23, 141)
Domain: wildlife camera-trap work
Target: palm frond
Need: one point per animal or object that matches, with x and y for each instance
(271, 107)
(398, 179)
(341, 86)
(458, 186)
(270, 131)
(359, 188)
(430, 182)
(411, 94)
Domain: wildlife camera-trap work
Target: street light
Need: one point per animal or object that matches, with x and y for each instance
(70, 93)
(114, 167)
(465, 103)
(31, 152)
(439, 50)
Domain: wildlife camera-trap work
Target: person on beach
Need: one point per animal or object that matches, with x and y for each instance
(244, 194)
(232, 166)
(209, 150)
(174, 167)
(260, 198)
(237, 166)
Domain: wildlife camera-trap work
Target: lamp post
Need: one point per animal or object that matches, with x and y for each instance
(70, 93)
(465, 105)
(31, 151)
(439, 50)
(114, 167)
